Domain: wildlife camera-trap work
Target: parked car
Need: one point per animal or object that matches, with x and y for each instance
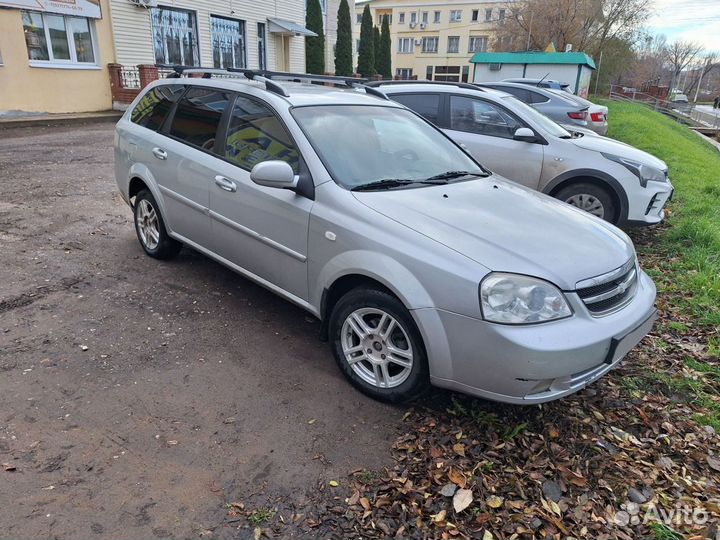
(680, 102)
(597, 114)
(559, 106)
(541, 83)
(422, 266)
(609, 179)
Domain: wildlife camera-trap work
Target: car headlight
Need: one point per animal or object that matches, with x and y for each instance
(645, 173)
(517, 299)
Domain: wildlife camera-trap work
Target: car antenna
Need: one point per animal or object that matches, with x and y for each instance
(541, 80)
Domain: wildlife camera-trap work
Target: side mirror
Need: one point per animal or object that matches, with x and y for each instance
(275, 174)
(525, 135)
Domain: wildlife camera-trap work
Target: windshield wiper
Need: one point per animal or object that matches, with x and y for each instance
(450, 175)
(387, 183)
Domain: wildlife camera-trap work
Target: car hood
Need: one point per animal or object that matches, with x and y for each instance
(616, 148)
(506, 227)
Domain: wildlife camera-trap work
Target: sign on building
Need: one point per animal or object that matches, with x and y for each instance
(80, 8)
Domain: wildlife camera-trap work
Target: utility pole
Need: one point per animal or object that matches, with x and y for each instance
(597, 73)
(702, 72)
(527, 47)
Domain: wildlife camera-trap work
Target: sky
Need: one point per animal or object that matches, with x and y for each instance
(689, 20)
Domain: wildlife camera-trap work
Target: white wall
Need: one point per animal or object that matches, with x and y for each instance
(133, 34)
(564, 73)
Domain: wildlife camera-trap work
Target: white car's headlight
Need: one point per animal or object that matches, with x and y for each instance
(645, 173)
(518, 299)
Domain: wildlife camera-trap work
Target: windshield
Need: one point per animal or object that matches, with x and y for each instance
(360, 144)
(539, 119)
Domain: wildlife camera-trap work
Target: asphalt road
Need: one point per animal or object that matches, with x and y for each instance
(138, 397)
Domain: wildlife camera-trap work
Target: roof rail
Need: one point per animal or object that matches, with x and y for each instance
(181, 71)
(469, 86)
(351, 82)
(266, 76)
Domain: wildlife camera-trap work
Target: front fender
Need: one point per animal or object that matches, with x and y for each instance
(382, 268)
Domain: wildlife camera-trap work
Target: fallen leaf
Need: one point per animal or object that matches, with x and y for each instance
(457, 477)
(257, 533)
(462, 499)
(714, 463)
(440, 516)
(459, 449)
(311, 422)
(333, 483)
(448, 490)
(9, 467)
(487, 535)
(365, 503)
(494, 501)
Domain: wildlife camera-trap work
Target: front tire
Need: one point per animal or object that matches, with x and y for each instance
(593, 199)
(150, 228)
(378, 347)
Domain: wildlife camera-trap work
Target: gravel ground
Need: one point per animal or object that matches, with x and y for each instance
(138, 398)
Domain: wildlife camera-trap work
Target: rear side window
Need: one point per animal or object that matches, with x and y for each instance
(481, 117)
(537, 97)
(154, 106)
(426, 105)
(198, 115)
(521, 93)
(255, 135)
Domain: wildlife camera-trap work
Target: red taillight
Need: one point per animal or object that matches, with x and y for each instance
(581, 115)
(597, 117)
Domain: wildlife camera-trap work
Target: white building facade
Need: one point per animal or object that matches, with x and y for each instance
(262, 34)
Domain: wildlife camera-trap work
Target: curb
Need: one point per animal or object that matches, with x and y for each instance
(60, 119)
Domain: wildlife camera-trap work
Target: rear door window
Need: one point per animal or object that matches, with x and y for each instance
(153, 108)
(255, 134)
(198, 115)
(426, 105)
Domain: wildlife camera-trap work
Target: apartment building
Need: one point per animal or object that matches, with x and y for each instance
(435, 40)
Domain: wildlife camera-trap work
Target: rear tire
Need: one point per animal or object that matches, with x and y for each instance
(591, 198)
(150, 228)
(378, 347)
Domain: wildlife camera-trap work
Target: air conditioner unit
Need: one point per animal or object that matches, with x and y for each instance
(145, 3)
(413, 24)
(423, 24)
(418, 41)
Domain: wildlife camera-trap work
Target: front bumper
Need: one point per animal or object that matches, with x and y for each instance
(646, 205)
(533, 363)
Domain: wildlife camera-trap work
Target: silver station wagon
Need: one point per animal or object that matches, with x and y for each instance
(423, 267)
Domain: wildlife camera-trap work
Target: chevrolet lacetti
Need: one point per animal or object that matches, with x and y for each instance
(423, 267)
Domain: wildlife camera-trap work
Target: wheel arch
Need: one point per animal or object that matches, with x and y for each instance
(595, 177)
(389, 276)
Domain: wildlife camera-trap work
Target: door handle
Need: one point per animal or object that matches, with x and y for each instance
(225, 183)
(159, 153)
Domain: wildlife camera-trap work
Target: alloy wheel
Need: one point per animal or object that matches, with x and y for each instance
(147, 221)
(377, 347)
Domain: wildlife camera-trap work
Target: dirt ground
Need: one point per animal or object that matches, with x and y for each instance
(138, 397)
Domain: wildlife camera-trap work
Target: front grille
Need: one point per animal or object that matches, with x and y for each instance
(611, 293)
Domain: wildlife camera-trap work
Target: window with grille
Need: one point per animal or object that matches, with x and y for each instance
(228, 42)
(175, 36)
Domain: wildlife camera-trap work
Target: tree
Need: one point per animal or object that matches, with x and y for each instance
(376, 48)
(366, 49)
(385, 51)
(343, 46)
(587, 25)
(314, 46)
(680, 55)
